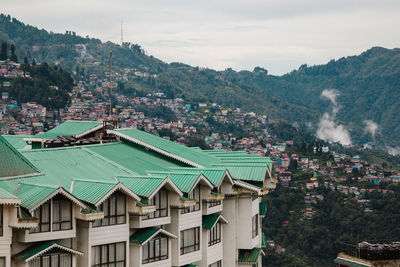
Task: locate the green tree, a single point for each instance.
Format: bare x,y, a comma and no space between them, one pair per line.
3,52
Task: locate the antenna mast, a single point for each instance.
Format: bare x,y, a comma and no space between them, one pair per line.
109,84
122,35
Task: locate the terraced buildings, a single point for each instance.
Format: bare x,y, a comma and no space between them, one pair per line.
140,200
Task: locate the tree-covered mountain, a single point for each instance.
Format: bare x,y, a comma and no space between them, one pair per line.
368,84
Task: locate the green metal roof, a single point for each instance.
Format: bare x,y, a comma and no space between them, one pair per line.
214,175
6,194
246,172
184,181
38,249
143,186
249,255
17,141
12,162
209,221
92,191
263,208
168,148
133,158
144,234
61,165
70,128
263,240
32,195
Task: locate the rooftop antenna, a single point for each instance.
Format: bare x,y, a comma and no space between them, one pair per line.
109,84
122,35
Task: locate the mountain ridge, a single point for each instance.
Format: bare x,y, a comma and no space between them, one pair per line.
368,84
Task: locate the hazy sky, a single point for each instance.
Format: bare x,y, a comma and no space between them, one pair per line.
278,35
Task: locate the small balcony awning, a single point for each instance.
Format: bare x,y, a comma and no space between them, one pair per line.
249,256
142,236
41,248
209,221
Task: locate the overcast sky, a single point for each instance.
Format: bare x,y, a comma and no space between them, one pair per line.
278,35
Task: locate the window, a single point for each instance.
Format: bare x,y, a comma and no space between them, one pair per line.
214,235
254,226
43,214
214,203
160,200
1,222
195,194
254,265
56,259
190,240
216,264
114,209
109,255
155,250
2,261
62,214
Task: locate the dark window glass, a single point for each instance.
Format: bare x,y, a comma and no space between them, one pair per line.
109,255
195,194
214,235
43,214
1,221
52,260
216,264
155,250
190,240
254,225
114,209
160,200
62,214
214,203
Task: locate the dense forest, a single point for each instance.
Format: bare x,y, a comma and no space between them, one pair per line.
338,218
368,84
43,84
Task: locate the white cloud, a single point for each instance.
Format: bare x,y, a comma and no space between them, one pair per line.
328,130
394,151
371,127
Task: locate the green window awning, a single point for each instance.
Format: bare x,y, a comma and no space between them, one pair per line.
142,236
41,248
263,240
209,221
249,255
263,208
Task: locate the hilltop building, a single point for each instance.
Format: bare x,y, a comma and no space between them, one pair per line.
138,201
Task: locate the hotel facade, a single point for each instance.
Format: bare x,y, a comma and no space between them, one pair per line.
131,199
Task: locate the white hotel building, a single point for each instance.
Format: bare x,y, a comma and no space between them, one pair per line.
139,201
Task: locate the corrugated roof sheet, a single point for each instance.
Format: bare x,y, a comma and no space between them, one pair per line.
143,186
136,159
17,141
178,152
12,162
210,220
32,195
92,191
246,172
249,255
144,234
215,176
184,181
69,128
38,249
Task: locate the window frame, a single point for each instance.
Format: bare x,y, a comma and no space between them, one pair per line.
214,203
107,263
195,245
1,220
50,256
214,234
254,226
60,222
158,213
155,257
41,224
107,220
193,195
216,264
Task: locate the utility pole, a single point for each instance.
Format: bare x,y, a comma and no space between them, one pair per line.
109,85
